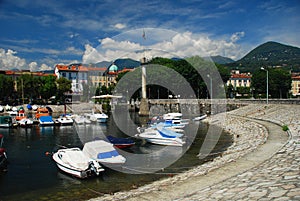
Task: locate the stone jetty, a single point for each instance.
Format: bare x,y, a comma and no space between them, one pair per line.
263,163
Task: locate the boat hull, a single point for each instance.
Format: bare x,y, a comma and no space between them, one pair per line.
72,169
164,142
77,173
3,162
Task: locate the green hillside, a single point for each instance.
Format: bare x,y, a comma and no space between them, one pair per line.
271,54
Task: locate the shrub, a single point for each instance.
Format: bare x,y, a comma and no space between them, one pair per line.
285,128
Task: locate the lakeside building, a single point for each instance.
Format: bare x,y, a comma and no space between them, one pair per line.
295,90
238,79
76,73
80,75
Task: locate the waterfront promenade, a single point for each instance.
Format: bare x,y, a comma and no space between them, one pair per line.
262,164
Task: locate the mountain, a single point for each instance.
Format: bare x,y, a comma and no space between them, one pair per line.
270,54
127,63
102,64
121,63
220,59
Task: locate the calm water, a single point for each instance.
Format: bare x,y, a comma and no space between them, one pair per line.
32,175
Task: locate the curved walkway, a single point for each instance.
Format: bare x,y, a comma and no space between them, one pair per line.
271,172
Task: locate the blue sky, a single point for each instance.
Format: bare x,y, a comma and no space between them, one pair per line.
38,34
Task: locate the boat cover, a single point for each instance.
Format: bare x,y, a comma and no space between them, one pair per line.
46,119
102,150
75,158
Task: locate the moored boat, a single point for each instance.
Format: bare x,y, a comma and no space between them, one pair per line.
46,121
5,121
200,117
3,156
73,161
104,152
156,136
42,111
25,122
120,142
101,117
65,120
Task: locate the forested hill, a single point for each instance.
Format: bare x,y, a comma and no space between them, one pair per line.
270,54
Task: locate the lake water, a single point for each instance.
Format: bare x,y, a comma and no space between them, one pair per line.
32,175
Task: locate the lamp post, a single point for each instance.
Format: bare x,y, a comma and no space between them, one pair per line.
211,92
262,68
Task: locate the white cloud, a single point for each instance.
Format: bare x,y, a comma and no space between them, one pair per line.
45,67
91,55
8,60
120,26
177,45
237,36
33,66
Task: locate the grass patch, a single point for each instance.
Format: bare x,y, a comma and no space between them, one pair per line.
285,128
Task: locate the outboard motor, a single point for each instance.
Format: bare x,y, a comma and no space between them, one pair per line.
96,167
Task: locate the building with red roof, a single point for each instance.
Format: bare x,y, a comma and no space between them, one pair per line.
238,79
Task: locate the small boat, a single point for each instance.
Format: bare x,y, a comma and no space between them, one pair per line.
12,113
7,107
98,117
3,156
1,109
41,111
29,107
34,107
80,120
101,117
46,121
6,122
104,152
73,161
25,122
156,136
120,142
200,117
65,120
172,115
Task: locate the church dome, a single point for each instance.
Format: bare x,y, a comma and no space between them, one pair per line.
113,68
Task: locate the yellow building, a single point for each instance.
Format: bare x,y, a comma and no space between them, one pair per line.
238,79
295,84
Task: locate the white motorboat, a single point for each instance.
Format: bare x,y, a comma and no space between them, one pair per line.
160,137
101,117
80,119
104,152
65,120
172,115
46,121
200,117
73,161
25,122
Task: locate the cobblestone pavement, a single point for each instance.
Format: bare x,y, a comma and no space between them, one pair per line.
270,172
275,179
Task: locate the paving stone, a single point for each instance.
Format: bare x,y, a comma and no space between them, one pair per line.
276,194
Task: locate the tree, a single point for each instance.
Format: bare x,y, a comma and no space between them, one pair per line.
63,86
279,82
29,87
6,87
48,88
